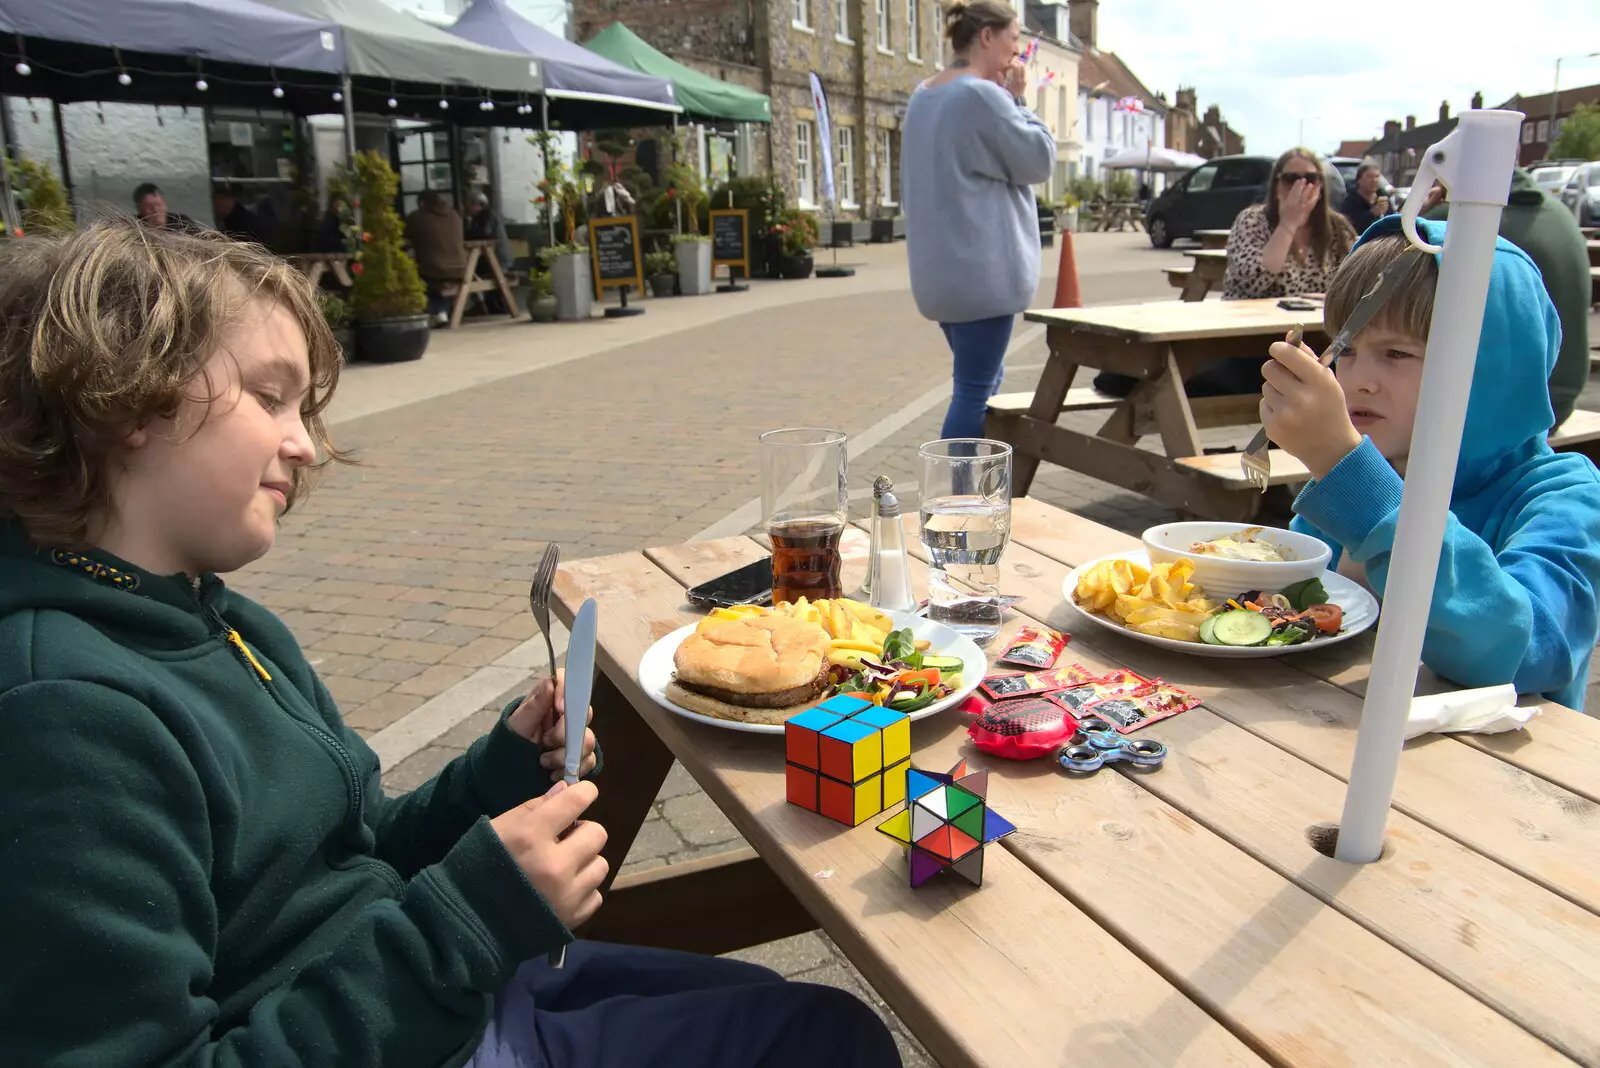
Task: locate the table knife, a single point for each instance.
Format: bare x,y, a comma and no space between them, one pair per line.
1399,269
579,685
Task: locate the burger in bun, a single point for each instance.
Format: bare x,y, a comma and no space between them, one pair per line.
757,669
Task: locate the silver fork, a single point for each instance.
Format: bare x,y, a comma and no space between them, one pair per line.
1254,463
544,581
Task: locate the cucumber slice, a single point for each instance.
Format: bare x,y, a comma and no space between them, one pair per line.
1241,627
1208,629
947,665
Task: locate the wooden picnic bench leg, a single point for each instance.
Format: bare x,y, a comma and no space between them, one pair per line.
636,764
504,287
341,271
1195,287
1048,397
464,293
1174,419
314,275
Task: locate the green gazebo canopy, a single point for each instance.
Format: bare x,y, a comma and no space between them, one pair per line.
701,96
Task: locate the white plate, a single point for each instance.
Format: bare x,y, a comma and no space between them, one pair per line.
1360,612
656,671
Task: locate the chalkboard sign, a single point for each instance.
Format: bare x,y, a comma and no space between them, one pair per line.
730,239
614,251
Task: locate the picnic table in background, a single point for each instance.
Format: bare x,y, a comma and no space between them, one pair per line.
315,264
470,282
1175,917
1118,215
1212,238
1160,344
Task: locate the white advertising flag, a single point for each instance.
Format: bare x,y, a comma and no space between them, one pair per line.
819,101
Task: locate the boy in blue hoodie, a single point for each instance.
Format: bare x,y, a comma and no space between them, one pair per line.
1515,599
200,864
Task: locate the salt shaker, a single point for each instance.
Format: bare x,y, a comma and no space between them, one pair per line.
889,571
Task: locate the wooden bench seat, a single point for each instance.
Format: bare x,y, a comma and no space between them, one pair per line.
1208,412
1078,400
1178,277
1580,433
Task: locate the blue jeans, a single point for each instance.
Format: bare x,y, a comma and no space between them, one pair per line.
624,1007
980,355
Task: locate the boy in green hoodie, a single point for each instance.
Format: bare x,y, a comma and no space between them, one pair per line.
201,867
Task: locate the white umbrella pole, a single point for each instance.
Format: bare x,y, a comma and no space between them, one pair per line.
1475,164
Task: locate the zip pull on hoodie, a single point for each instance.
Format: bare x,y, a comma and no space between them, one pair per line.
1515,598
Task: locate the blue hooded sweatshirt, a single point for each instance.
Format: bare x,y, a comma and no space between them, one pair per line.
1515,597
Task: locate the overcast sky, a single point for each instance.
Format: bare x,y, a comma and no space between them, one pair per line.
1271,64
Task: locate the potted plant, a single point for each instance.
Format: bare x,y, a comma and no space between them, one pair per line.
692,249
662,269
336,312
797,234
388,300
542,305
45,208
568,262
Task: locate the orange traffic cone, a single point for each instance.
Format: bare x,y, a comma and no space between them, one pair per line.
1067,295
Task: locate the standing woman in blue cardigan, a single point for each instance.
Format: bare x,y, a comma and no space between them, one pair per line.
972,151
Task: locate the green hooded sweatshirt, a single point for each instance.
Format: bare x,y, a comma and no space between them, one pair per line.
1542,227
199,866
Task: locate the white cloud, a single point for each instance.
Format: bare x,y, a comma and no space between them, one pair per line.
1338,71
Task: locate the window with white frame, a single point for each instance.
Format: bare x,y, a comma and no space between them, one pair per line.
913,27
1061,113
841,20
1088,119
886,187
883,25
844,166
804,174
1544,130
802,13
1527,133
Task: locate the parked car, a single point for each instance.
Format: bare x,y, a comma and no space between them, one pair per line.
1347,167
1553,176
1209,197
1581,194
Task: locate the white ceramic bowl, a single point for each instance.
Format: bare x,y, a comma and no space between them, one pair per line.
1221,578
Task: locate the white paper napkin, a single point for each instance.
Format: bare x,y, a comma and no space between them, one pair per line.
1490,710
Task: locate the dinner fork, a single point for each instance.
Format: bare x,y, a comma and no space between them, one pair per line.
1257,469
544,580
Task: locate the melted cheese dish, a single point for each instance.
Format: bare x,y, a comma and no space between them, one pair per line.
1241,546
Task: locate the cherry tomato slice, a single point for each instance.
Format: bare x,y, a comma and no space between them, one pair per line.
1329,618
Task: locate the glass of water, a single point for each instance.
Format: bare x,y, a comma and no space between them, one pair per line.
966,523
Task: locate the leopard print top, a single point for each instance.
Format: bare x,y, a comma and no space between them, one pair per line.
1246,276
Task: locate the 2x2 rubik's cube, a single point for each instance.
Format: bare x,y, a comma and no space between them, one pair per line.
847,759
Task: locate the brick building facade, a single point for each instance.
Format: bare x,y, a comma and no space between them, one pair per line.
869,54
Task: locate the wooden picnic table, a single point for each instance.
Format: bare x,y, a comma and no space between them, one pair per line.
1594,251
1210,268
1161,344
1175,917
1212,238
315,264
470,282
1120,214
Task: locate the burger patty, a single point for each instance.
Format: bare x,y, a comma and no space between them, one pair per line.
794,695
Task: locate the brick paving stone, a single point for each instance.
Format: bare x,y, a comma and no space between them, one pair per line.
378,713
385,670
698,820
472,728
434,680
418,769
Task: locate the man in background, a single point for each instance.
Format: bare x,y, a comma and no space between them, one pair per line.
151,208
233,218
438,243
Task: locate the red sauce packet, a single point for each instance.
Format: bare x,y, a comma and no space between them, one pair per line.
1140,708
1022,729
1007,685
1034,647
1119,683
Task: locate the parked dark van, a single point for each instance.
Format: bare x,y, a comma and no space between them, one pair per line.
1209,197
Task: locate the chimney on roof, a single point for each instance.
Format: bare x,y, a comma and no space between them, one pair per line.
1444,111
1477,101
1411,122
1186,99
1084,20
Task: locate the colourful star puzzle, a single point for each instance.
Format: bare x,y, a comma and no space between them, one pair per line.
946,823
847,759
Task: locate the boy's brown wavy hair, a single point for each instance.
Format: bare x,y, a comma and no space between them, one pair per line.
103,330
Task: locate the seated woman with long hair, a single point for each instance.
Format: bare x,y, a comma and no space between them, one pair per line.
1294,242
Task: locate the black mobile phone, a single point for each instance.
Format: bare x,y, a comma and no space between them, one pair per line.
751,584
1289,304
